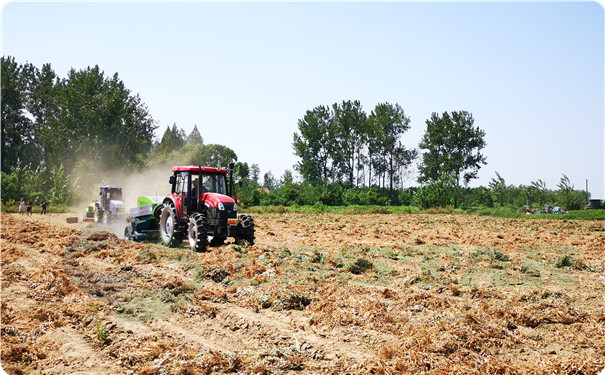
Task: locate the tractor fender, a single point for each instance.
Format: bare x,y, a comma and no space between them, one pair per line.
176,200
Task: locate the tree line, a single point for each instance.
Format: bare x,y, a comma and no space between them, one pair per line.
341,143
348,157
178,148
50,125
60,134
57,121
442,192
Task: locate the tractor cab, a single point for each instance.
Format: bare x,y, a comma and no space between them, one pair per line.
109,205
110,193
198,189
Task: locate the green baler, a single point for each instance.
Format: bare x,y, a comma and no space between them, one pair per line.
143,220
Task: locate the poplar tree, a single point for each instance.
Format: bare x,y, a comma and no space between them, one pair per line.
453,145
347,131
388,124
195,138
314,145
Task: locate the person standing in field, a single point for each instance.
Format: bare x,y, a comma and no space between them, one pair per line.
29,207
21,206
44,204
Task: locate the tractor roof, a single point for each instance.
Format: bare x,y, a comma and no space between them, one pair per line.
197,168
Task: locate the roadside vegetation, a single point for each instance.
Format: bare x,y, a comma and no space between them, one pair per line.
499,200
503,212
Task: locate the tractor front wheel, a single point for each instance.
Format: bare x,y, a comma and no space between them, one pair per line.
198,232
246,229
168,222
98,215
127,233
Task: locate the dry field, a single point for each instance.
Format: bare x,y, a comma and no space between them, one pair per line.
317,294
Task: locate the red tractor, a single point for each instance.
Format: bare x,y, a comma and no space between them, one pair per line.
200,206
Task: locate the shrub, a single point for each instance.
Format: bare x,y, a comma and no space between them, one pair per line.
565,261
360,266
101,332
438,193
571,199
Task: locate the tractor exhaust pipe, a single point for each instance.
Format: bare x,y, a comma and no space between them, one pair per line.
231,184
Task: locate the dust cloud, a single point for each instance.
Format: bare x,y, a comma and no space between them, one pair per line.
150,181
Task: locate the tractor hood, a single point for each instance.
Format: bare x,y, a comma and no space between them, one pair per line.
116,206
213,199
116,203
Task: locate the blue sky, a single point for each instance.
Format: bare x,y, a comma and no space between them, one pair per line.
532,74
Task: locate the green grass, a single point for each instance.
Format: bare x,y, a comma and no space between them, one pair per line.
502,212
320,208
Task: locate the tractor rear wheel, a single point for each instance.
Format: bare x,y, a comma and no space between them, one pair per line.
218,240
168,222
198,232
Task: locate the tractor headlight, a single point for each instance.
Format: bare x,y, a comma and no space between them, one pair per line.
234,207
221,206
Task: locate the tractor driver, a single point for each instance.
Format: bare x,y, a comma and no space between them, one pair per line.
195,184
194,188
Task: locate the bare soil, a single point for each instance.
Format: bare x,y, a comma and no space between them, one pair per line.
321,294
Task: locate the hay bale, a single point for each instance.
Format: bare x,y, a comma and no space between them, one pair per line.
71,220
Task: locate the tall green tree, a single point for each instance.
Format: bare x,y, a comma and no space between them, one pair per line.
537,192
452,144
314,145
347,131
172,140
99,120
373,142
254,173
388,124
499,189
568,197
43,105
287,178
18,138
217,156
242,172
195,138
164,147
269,181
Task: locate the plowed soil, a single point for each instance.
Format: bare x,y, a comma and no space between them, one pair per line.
321,294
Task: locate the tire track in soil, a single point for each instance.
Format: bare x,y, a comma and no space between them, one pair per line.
249,330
